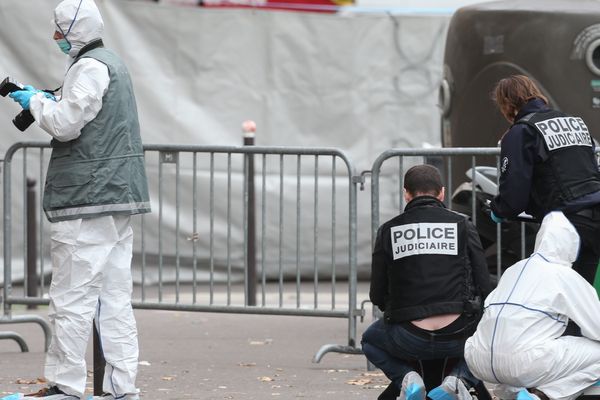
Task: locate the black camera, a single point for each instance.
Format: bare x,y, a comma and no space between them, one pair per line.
24,118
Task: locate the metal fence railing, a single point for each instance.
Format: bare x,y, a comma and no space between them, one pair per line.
246,229
457,166
279,241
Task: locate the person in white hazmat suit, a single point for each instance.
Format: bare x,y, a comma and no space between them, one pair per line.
518,344
95,181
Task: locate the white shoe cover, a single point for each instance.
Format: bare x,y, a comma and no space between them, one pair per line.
413,387
451,388
526,395
111,397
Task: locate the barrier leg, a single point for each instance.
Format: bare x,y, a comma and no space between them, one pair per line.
17,338
36,319
335,348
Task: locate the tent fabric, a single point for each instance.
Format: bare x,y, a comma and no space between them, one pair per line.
360,83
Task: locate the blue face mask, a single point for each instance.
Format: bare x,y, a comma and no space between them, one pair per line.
64,45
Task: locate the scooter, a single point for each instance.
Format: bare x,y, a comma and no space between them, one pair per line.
517,237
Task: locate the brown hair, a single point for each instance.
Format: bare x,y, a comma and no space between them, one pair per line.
512,93
423,179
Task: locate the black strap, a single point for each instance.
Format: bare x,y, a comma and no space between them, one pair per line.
94,44
52,91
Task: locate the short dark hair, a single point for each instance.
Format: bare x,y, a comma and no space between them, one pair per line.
423,179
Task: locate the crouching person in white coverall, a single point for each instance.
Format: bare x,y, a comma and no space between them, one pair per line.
96,180
518,344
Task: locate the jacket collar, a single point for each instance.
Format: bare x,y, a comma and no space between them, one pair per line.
425,200
532,106
94,44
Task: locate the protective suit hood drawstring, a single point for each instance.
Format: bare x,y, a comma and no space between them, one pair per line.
557,240
80,22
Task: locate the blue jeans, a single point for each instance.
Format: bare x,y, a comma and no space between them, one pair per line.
394,350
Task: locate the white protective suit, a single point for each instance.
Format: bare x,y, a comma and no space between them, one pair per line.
91,258
518,342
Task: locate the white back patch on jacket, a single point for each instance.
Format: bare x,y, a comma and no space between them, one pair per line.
563,132
424,238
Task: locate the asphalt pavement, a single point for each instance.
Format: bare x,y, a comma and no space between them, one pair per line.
206,356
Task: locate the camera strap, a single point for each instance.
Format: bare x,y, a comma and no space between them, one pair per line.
94,44
52,91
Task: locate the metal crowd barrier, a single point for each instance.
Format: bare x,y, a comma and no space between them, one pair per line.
217,240
454,163
503,244
246,229
387,201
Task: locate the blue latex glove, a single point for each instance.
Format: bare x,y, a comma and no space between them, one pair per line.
15,396
496,218
22,97
46,94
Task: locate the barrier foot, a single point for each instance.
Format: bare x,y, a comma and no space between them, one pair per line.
17,338
36,319
335,348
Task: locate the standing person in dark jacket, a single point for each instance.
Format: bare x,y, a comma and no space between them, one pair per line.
548,164
429,276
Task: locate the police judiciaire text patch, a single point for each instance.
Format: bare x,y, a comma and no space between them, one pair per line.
424,238
563,132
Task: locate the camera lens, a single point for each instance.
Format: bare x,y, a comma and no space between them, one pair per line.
23,120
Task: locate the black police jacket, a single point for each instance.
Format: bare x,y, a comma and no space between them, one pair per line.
547,163
427,261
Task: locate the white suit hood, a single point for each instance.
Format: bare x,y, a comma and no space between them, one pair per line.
557,240
80,21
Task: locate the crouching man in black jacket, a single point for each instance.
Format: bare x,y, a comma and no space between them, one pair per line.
429,277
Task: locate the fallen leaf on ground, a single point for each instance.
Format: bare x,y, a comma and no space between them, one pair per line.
168,378
36,381
265,379
372,374
359,381
260,342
